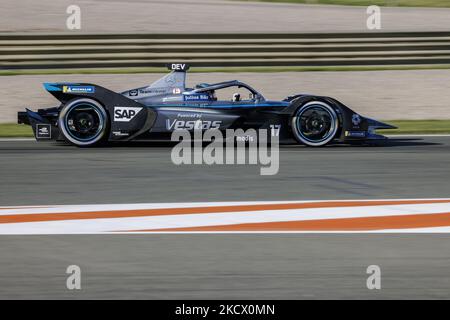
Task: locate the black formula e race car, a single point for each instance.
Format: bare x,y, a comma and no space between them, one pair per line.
89,114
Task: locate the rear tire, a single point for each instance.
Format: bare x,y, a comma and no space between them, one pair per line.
84,122
315,124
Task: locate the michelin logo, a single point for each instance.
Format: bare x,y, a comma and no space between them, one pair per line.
78,89
125,114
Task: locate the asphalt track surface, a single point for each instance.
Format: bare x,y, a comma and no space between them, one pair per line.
219,266
50,173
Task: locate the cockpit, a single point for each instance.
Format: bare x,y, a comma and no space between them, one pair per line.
234,91
171,89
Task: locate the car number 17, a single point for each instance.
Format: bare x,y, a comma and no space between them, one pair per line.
275,130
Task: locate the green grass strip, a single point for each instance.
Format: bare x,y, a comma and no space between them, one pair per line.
12,130
418,127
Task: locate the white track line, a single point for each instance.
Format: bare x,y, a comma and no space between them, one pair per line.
144,206
136,206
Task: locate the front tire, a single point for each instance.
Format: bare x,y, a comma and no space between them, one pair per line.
84,122
315,124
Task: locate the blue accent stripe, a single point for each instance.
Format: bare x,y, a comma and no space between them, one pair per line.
52,87
224,106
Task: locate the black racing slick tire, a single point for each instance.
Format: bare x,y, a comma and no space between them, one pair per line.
315,124
84,122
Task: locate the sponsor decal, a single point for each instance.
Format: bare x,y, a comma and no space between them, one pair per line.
125,114
78,89
189,115
356,119
43,131
176,91
120,134
152,91
355,134
133,93
196,97
192,124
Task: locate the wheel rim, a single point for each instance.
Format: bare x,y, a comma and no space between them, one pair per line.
84,122
316,124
